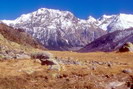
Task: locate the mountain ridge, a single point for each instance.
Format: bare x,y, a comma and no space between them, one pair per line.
110,42
57,30
61,30
99,22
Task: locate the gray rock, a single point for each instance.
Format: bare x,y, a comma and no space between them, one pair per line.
67,61
115,85
13,54
46,58
41,55
22,56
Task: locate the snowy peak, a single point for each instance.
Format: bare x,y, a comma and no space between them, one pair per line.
53,13
107,16
112,23
45,11
8,22
66,19
91,19
104,21
121,22
41,14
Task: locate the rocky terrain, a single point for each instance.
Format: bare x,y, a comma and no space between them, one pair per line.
16,44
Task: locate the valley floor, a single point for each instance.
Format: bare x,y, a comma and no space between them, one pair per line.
96,70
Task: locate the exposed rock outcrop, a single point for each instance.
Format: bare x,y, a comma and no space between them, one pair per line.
6,54
127,47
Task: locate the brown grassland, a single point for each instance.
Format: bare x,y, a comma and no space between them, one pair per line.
95,72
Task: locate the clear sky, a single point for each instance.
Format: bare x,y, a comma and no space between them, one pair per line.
11,9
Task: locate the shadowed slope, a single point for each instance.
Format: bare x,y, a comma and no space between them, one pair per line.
110,42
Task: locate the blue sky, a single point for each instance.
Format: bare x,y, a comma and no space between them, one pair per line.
11,9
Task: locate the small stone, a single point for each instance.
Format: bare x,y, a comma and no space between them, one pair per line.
107,76
109,65
54,75
29,71
128,71
93,68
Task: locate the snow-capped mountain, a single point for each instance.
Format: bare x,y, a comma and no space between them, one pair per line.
59,30
115,22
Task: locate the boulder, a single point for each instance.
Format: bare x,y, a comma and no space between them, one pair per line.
46,58
41,55
127,47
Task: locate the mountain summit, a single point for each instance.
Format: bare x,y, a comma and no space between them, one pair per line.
115,22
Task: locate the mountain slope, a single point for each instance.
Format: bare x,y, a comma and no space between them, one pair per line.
58,30
18,36
110,42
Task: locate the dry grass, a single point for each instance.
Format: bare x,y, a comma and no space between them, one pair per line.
124,58
28,74
42,78
99,56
